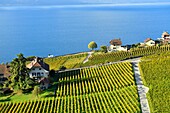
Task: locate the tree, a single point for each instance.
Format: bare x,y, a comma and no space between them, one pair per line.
36,91
52,73
19,74
52,76
92,45
103,48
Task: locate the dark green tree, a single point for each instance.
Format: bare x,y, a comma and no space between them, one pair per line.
92,45
103,48
52,76
19,74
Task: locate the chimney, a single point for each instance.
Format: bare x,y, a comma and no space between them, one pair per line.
36,59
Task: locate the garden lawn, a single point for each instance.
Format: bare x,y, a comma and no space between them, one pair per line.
21,97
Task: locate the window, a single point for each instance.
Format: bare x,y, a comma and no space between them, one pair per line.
38,74
39,68
33,69
1,74
33,74
42,74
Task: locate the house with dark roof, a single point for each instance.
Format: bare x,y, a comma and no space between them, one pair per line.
4,73
38,69
116,45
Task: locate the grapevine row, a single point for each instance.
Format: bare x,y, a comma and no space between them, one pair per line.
118,101
99,79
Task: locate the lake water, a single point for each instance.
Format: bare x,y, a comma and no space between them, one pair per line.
62,30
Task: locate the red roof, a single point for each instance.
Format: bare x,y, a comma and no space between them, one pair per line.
38,62
116,42
5,70
165,34
148,39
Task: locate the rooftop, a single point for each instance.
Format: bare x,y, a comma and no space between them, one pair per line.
5,70
116,42
38,62
165,34
147,39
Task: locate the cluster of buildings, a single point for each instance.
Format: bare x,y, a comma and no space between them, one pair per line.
116,44
165,39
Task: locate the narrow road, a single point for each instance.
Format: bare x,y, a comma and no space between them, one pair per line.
87,58
142,90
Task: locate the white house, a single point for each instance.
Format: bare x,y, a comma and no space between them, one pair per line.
38,69
165,38
165,35
115,45
149,42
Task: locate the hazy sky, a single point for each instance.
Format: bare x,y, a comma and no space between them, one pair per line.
59,2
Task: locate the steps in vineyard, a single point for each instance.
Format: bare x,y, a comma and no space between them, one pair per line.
142,90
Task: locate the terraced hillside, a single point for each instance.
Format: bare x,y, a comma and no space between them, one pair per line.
109,88
134,52
156,76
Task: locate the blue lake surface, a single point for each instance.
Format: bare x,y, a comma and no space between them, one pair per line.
62,30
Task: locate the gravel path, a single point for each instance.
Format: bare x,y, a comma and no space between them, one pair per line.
89,55
142,90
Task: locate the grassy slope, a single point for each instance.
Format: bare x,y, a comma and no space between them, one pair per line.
69,61
156,75
18,97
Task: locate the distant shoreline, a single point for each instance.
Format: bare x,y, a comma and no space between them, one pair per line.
12,7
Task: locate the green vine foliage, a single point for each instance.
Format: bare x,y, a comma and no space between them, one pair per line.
156,74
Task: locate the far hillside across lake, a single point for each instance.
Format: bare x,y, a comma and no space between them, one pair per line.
58,31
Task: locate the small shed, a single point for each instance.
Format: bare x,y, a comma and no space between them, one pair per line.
44,83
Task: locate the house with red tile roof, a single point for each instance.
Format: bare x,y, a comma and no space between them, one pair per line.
149,42
165,38
4,72
38,69
116,45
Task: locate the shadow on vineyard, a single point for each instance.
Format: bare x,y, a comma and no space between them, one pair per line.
106,88
6,100
96,87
